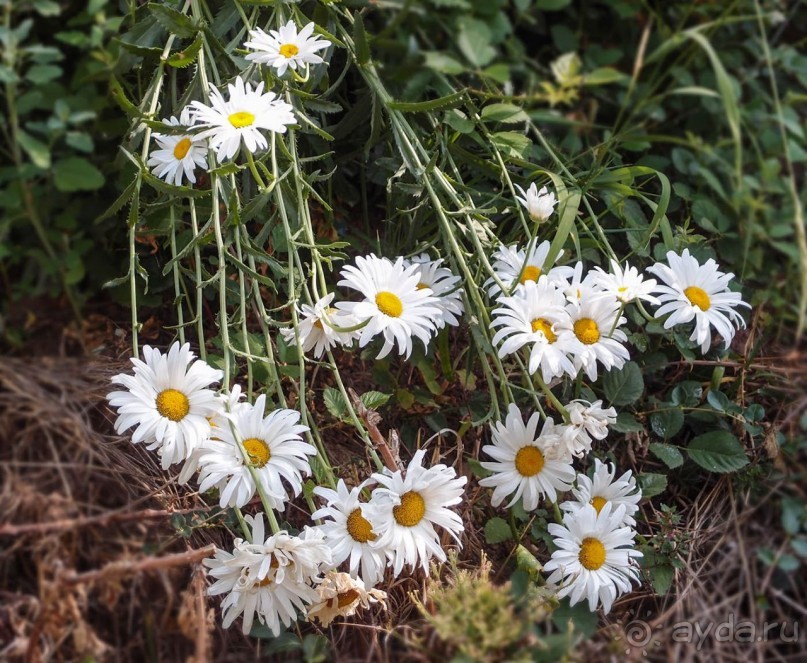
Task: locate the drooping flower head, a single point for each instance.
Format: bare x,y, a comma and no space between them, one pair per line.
410,505
626,284
179,154
341,595
594,559
269,445
539,204
317,327
445,286
587,422
692,291
286,48
604,488
168,401
242,117
524,468
393,305
514,267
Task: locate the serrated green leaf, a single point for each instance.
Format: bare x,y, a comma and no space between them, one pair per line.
334,402
443,63
667,422
174,21
449,101
497,531
623,386
511,143
360,39
718,451
373,400
667,454
187,55
473,40
652,484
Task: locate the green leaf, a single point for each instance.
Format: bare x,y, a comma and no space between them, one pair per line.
623,386
627,423
360,39
77,174
497,531
43,73
38,152
173,21
718,451
552,5
667,422
652,484
187,55
473,40
373,400
513,144
449,101
443,63
667,454
47,7
603,76
506,113
334,402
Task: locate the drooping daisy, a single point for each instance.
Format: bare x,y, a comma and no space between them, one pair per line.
271,578
699,292
625,284
592,333
393,305
577,285
539,204
531,318
286,48
168,401
587,422
272,447
340,595
316,328
514,267
605,489
523,466
410,506
445,286
351,530
179,154
242,116
594,559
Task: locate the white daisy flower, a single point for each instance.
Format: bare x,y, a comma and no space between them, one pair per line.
577,285
604,489
243,116
445,286
393,304
514,267
274,448
228,403
587,422
531,318
588,332
340,595
351,530
539,204
270,578
523,466
167,399
626,284
316,328
699,292
179,154
286,48
594,556
410,506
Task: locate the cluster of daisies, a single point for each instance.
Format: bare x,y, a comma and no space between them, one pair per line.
239,450
242,117
595,550
570,321
402,300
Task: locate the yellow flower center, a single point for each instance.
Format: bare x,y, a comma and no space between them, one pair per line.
173,404
592,554
587,331
241,119
622,289
411,509
598,503
529,461
698,297
359,527
289,50
422,286
389,304
530,273
181,148
268,580
543,325
257,451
